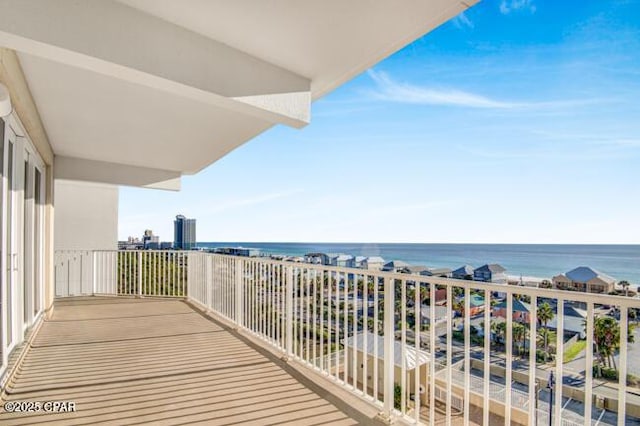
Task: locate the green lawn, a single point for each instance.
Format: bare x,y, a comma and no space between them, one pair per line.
572,351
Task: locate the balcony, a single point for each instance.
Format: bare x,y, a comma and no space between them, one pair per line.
178,337
127,361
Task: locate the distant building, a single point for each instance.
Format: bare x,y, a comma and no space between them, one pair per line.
437,272
373,263
341,260
316,258
412,269
585,279
238,251
358,261
573,322
491,273
132,243
150,241
395,266
521,311
166,245
184,233
464,272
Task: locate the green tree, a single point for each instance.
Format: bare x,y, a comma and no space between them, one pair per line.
545,314
606,337
519,334
499,330
625,285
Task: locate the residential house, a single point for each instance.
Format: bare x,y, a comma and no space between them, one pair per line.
342,260
437,272
521,311
413,269
490,273
561,282
464,272
358,261
395,266
573,320
373,263
585,279
316,258
369,346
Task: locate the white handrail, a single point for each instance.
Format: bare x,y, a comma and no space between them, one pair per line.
357,327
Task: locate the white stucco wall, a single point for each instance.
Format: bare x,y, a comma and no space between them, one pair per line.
86,216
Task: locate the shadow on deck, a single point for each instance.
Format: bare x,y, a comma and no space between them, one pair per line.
133,361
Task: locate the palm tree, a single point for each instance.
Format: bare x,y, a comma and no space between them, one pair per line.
625,285
545,314
606,336
499,330
519,334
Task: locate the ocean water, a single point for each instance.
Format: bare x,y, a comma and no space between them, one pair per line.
622,262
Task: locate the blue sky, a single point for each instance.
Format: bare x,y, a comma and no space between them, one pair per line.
516,122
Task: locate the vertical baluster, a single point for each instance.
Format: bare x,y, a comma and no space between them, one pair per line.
432,346
557,412
509,359
329,323
365,336
449,350
322,329
467,351
487,356
417,322
403,340
354,322
376,358
533,389
338,323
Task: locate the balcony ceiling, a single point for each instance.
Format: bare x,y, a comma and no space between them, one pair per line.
170,87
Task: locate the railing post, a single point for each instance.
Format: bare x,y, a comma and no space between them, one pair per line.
140,273
239,293
389,340
288,300
95,272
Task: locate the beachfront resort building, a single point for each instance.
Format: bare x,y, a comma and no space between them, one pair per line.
585,279
100,94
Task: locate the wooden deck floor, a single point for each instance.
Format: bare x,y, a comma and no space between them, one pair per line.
134,361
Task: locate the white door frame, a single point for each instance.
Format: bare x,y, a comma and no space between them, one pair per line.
15,259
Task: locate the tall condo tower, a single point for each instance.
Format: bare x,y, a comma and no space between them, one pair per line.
184,233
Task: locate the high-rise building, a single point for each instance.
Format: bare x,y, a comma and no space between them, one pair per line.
150,241
184,233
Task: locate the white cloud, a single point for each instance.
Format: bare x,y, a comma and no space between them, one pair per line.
251,201
394,91
508,6
462,21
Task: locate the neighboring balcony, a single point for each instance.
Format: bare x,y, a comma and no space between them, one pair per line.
340,345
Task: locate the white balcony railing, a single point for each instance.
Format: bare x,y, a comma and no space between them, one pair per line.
334,320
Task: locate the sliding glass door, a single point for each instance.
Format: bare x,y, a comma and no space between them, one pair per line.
21,195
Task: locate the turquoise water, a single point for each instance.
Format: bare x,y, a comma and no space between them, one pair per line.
541,260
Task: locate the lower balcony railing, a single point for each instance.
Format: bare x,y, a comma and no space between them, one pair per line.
413,345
